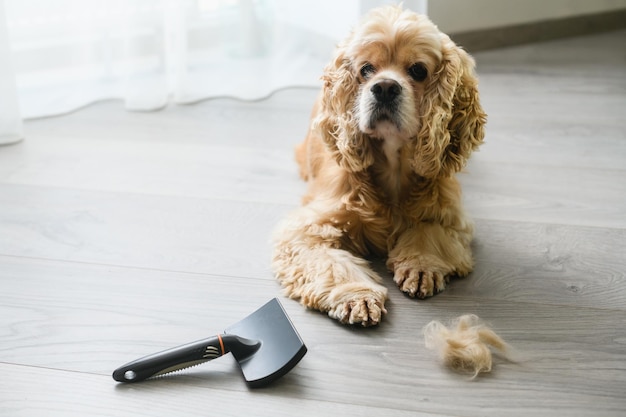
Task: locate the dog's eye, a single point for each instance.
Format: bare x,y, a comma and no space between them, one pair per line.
367,70
418,72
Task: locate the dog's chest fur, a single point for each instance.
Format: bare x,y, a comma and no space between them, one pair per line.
390,168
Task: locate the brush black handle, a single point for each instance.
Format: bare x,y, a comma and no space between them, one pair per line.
173,359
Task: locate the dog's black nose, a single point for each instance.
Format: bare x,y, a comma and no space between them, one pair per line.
386,90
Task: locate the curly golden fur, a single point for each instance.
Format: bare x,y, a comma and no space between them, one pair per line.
398,116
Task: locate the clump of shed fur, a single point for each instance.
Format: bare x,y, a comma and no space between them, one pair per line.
465,345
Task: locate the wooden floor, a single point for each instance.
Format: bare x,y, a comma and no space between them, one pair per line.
122,234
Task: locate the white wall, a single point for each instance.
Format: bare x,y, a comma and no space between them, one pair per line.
454,16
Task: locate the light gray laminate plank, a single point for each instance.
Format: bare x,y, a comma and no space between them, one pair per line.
170,233
576,136
545,263
583,55
38,391
532,193
555,141
557,103
206,170
85,317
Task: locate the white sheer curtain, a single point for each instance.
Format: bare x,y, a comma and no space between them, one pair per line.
56,56
10,120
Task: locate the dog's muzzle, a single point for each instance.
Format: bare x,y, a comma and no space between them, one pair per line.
386,94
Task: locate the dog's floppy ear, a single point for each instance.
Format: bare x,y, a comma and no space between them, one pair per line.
336,120
452,120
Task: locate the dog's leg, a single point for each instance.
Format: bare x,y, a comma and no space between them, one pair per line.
312,267
426,255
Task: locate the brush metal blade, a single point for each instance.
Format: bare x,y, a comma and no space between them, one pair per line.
281,346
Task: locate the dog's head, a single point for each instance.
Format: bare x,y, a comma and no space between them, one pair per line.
397,77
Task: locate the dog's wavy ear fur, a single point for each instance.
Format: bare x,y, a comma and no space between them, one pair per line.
336,121
452,120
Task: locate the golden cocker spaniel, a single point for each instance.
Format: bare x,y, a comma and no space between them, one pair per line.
398,116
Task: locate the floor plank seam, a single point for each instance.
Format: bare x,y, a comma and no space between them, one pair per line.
485,300
135,267
546,224
293,205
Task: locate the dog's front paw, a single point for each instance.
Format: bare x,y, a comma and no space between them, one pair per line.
363,306
418,281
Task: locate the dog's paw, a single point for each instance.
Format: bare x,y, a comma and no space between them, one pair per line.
420,282
364,307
